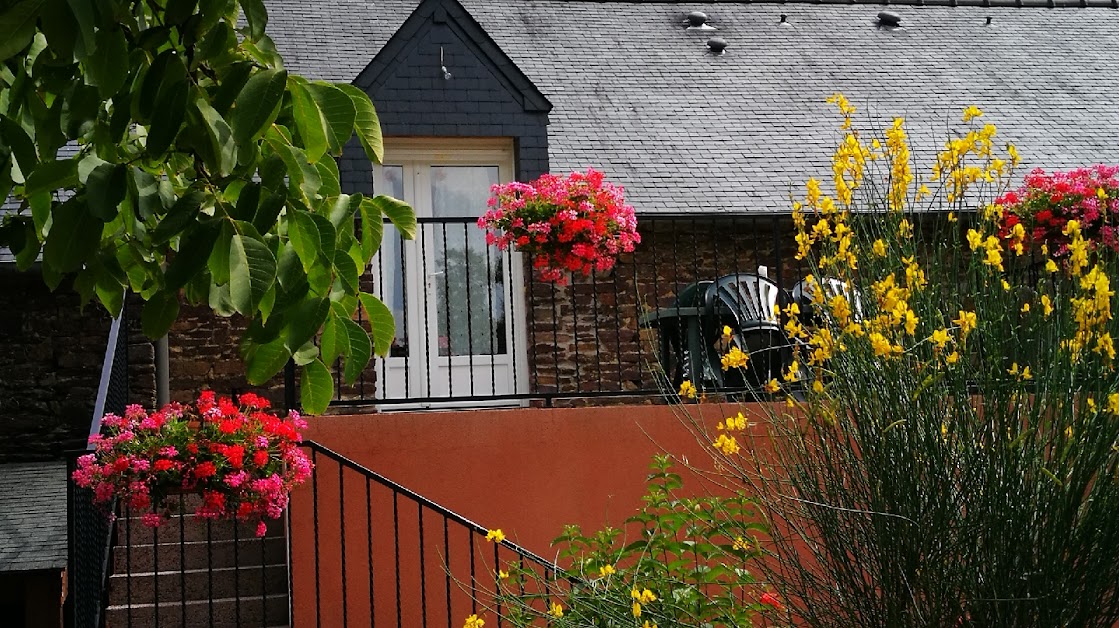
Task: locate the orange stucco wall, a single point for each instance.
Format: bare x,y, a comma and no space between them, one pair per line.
528,471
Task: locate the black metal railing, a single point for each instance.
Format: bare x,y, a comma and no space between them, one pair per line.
89,529
368,551
477,325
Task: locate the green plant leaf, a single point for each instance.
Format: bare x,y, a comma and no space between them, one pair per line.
338,111
182,214
401,214
23,149
220,136
263,362
252,271
316,387
159,313
346,272
359,353
372,229
106,187
306,354
304,321
83,14
305,237
108,69
380,322
74,236
194,251
335,340
257,105
366,123
52,175
170,108
17,26
256,16
308,120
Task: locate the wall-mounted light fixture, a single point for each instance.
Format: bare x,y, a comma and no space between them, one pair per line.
443,66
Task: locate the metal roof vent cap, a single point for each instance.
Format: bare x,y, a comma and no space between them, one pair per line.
784,20
889,19
717,45
697,21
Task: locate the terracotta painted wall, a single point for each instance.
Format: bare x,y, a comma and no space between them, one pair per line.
526,471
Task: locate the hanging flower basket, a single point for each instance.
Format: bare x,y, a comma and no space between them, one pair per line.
242,460
1037,215
574,224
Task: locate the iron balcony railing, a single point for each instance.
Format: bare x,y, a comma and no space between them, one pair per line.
475,325
367,551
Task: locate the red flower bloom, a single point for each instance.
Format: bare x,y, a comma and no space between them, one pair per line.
205,470
163,465
770,599
260,457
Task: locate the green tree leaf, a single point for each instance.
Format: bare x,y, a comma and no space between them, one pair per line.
220,136
257,105
380,322
17,26
372,229
338,111
74,236
316,387
359,353
159,313
304,320
182,213
335,340
169,106
308,120
366,123
263,362
401,214
106,187
252,271
108,69
256,16
52,175
22,148
191,258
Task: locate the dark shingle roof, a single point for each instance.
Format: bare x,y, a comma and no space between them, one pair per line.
32,516
638,96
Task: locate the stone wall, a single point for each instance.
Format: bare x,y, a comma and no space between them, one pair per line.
587,337
50,366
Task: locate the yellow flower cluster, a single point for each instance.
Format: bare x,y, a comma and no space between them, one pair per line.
641,597
735,358
474,622
687,389
556,610
901,172
1092,311
496,536
952,163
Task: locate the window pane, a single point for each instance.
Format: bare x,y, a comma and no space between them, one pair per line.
470,285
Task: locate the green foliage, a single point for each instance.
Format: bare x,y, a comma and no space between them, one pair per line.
204,171
689,566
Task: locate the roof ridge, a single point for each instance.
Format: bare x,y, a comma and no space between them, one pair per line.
1011,4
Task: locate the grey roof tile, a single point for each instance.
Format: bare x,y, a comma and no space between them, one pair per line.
32,516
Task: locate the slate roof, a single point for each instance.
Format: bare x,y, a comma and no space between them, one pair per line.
32,516
637,95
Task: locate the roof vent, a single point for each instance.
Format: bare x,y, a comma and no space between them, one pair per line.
717,45
988,21
697,21
785,20
889,19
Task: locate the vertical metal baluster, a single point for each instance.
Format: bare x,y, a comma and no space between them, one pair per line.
496,567
511,319
662,346
236,572
447,570
555,338
493,318
209,567
469,310
182,562
618,328
128,560
447,312
426,341
396,551
404,303
597,342
315,516
155,574
423,573
263,582
534,360
369,545
473,576
288,566
342,537
575,334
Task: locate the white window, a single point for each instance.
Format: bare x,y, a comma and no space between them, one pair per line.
458,303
